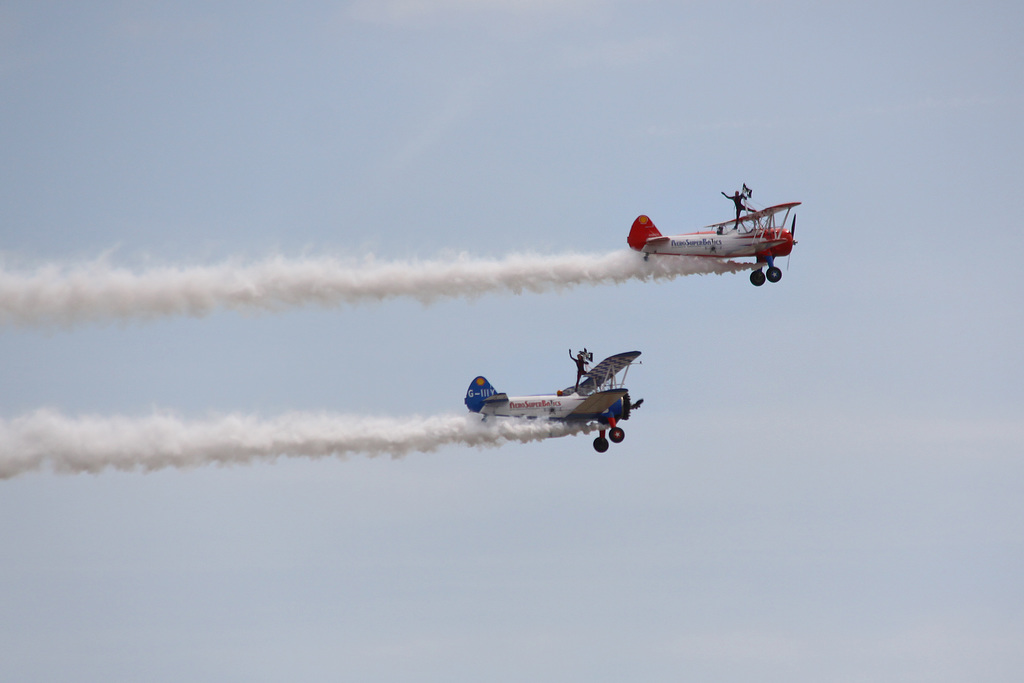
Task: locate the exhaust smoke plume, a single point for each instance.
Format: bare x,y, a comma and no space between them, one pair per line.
70,294
46,439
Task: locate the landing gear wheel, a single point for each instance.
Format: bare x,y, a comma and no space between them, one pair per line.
774,274
600,444
757,278
616,434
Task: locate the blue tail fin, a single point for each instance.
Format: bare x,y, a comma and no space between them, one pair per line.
479,389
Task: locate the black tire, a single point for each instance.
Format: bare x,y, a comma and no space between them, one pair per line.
616,434
600,444
774,274
757,278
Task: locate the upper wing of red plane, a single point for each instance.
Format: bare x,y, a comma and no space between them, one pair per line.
756,218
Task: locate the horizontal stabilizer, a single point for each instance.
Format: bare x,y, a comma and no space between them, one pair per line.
659,241
496,398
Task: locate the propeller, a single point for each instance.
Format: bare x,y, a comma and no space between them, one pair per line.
792,231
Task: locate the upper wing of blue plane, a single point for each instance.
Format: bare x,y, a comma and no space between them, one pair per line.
604,371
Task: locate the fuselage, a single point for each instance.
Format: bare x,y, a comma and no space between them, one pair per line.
777,242
547,406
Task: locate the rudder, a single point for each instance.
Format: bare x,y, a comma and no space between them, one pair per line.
643,229
479,390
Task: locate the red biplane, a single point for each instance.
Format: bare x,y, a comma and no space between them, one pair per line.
761,234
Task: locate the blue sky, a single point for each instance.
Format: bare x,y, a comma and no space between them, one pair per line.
823,482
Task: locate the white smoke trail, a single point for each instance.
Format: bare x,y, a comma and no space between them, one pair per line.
69,294
93,444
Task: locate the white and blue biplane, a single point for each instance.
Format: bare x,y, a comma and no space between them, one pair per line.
601,398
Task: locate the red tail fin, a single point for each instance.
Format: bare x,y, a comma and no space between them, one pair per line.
643,229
